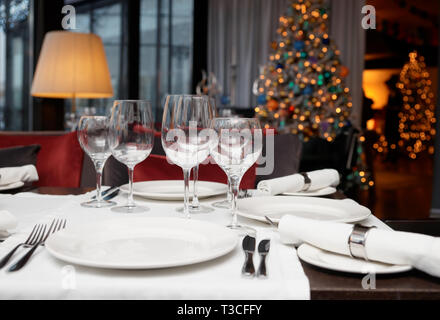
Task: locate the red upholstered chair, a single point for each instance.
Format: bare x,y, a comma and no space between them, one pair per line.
60,159
157,168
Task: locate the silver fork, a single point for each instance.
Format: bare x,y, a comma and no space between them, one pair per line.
57,225
35,235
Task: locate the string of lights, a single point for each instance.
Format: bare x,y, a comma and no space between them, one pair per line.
417,117
301,90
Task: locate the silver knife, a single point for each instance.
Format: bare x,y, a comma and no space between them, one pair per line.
112,195
106,192
263,250
249,244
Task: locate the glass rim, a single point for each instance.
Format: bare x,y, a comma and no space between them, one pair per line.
187,96
236,119
93,117
132,101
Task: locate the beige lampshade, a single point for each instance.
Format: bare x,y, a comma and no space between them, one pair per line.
72,65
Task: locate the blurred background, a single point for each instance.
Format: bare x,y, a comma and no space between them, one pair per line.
224,48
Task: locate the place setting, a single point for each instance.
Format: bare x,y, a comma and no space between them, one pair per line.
256,238
229,151
178,238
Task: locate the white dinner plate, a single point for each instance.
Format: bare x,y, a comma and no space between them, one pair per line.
173,190
12,186
337,262
142,243
317,193
345,211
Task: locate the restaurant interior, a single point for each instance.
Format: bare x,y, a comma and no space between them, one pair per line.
344,95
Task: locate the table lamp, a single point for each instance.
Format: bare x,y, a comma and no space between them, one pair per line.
72,65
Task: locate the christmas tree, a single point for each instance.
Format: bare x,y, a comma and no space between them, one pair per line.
361,175
417,119
301,90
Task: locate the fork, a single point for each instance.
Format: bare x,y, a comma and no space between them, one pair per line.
57,225
35,235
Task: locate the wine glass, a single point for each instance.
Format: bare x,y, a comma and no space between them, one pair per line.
195,206
184,135
237,149
93,135
131,141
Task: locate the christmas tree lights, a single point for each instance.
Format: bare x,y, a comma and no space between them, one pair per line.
417,119
417,116
301,89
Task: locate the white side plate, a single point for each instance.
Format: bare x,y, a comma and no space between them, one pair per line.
345,211
173,190
142,243
337,262
318,193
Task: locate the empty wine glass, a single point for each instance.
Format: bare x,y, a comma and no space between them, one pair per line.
184,138
195,206
236,150
131,141
93,135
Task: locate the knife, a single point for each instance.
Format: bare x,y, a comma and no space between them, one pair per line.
112,195
263,250
249,250
106,192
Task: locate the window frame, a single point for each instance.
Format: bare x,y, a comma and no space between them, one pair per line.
129,75
23,31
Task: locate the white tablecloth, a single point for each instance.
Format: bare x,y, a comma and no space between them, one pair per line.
48,278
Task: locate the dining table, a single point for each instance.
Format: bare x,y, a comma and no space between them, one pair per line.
332,285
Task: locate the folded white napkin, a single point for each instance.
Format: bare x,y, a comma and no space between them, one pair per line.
19,174
391,247
295,183
7,222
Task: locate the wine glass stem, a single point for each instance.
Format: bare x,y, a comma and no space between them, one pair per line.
186,176
195,202
99,168
235,186
229,191
130,203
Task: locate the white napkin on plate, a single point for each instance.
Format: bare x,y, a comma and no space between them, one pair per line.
7,222
295,183
19,174
391,247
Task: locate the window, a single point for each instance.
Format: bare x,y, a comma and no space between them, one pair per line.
14,65
165,53
166,49
106,20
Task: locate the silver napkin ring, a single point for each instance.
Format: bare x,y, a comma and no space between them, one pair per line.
357,241
307,181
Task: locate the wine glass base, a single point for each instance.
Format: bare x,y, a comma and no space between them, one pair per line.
197,210
222,205
243,231
130,209
95,204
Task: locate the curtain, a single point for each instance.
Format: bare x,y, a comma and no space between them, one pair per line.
240,33
346,30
